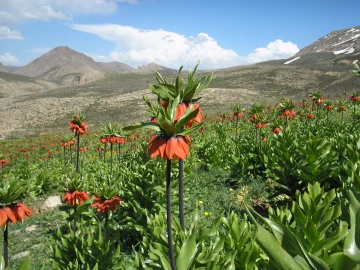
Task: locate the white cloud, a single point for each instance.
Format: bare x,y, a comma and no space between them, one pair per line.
138,47
277,49
8,59
6,33
17,11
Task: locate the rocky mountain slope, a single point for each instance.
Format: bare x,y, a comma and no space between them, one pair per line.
345,41
2,69
11,68
337,49
62,64
151,67
31,105
69,67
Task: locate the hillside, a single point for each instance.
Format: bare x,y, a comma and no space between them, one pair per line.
69,67
11,68
118,97
2,69
62,65
335,51
33,105
150,68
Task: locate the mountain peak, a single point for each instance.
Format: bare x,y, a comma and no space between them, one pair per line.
345,41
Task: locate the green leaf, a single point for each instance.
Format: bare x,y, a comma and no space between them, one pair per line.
149,125
352,240
270,245
187,253
25,264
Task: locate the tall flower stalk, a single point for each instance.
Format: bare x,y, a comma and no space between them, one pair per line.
237,109
3,162
74,195
11,209
177,114
112,135
341,107
355,99
106,200
78,127
187,91
286,112
317,98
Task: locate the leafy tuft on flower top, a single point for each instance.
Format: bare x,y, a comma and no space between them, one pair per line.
78,124
175,113
74,194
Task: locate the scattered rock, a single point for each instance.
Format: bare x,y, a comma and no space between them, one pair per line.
36,246
50,203
20,255
31,228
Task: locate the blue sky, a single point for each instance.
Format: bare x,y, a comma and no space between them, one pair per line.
172,33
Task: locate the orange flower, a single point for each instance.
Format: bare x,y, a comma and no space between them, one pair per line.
103,140
104,205
288,113
174,147
75,197
329,107
276,130
342,108
238,114
71,142
354,98
261,125
309,116
318,101
4,162
14,212
181,109
79,129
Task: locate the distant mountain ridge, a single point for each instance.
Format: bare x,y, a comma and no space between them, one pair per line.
67,66
345,41
11,68
2,69
114,92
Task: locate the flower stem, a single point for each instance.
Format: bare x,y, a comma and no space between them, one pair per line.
64,157
6,246
119,153
237,123
181,194
75,216
111,157
106,226
168,212
78,153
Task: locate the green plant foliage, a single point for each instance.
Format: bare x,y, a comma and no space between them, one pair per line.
315,220
195,248
238,236
86,248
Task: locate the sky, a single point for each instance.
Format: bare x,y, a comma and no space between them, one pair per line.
171,33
